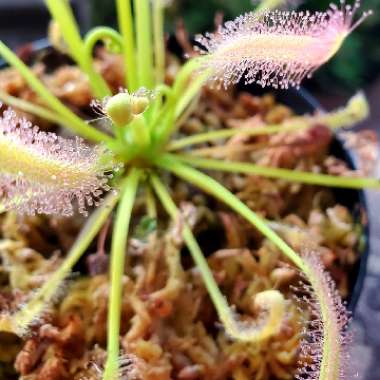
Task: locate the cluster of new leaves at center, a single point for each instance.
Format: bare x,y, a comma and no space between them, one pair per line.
44,173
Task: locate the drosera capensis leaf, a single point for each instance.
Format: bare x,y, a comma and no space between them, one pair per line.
326,334
31,312
277,48
44,173
118,253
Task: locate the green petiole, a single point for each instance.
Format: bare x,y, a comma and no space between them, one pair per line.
125,20
45,295
144,43
62,13
151,207
76,124
118,252
225,133
41,112
181,85
159,40
190,93
284,174
158,111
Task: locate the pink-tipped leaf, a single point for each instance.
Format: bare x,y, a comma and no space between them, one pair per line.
277,48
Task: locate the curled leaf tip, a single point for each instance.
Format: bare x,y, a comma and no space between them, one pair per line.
34,311
277,48
44,173
355,111
271,304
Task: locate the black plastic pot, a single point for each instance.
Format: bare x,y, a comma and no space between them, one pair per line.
301,102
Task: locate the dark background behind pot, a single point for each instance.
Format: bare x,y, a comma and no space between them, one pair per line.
22,21
357,65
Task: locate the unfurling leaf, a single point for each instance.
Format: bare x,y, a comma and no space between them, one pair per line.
43,173
277,48
273,302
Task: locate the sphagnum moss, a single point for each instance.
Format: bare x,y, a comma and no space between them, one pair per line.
274,48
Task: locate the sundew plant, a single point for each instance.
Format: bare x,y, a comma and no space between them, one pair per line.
43,173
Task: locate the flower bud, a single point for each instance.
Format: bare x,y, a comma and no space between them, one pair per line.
119,109
139,104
